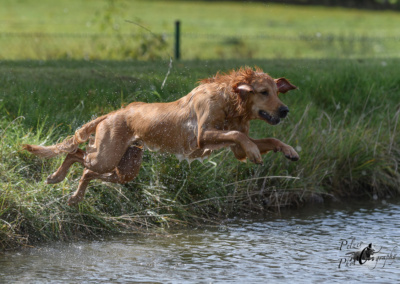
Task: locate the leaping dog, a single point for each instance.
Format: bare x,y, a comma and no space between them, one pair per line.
213,115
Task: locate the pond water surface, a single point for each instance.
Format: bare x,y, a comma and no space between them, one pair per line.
309,245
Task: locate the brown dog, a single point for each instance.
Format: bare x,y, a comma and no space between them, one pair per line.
214,115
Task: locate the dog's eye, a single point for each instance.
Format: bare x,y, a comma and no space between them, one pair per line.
265,93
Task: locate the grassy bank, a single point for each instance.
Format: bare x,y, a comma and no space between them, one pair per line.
343,121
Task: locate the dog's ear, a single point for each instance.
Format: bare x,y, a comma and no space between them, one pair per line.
243,89
284,85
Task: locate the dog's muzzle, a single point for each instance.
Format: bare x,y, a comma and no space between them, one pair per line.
274,119
269,118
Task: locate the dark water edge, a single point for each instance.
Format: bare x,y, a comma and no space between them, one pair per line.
311,244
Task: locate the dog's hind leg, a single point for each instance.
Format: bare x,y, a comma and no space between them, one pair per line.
87,176
127,169
129,166
62,171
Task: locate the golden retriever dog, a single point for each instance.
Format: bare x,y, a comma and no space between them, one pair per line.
213,115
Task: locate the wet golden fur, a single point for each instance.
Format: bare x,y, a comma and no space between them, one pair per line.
213,115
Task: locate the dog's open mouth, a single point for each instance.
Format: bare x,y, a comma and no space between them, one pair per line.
269,118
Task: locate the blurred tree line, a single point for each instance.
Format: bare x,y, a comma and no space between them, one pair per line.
359,4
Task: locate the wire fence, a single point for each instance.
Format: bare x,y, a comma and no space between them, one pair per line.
145,46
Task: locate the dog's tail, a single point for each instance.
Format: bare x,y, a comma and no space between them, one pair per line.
69,145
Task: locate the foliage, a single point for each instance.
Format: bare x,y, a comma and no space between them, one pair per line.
142,45
360,4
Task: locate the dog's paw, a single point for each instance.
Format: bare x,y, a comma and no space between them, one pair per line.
53,178
74,200
257,162
254,155
290,153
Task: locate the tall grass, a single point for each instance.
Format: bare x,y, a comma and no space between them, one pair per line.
344,121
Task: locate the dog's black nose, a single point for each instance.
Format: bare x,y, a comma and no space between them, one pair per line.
283,111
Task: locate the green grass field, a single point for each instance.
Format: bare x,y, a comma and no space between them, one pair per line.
210,30
198,16
343,119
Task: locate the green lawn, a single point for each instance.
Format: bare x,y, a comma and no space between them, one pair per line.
209,30
71,16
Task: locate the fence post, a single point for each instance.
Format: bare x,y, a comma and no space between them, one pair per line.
177,40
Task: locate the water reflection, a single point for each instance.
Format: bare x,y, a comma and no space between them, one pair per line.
301,246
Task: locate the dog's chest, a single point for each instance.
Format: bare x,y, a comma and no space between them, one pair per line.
190,128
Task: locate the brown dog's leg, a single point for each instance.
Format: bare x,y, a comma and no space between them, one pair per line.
266,145
129,166
77,197
246,147
127,169
62,171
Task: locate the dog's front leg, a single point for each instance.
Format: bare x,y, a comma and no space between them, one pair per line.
266,145
272,144
241,141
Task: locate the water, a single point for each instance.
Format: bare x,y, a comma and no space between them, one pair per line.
301,246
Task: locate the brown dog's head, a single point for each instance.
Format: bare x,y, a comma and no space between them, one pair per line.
258,95
253,93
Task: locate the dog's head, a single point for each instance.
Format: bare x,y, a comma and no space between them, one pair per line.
258,95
